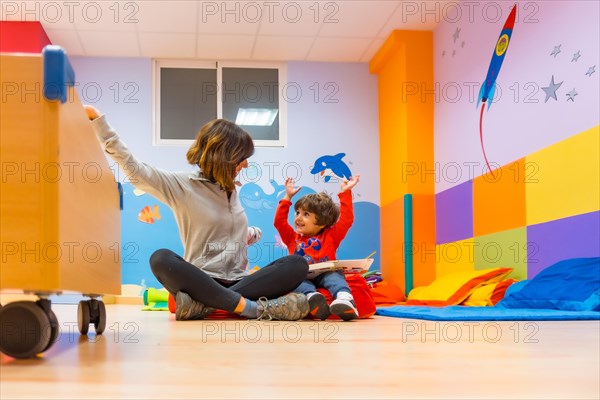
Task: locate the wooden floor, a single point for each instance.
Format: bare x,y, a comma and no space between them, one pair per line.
150,355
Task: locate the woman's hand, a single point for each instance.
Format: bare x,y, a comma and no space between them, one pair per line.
92,112
290,191
349,184
254,234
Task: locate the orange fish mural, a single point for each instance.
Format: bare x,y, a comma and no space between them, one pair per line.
149,215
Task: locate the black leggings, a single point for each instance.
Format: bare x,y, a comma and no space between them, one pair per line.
276,279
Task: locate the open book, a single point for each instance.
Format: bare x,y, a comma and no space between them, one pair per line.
359,266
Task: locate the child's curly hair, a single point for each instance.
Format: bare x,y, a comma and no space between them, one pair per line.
322,205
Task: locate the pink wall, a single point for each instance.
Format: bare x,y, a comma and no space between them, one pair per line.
521,121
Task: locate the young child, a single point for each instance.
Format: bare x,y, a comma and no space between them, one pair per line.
318,234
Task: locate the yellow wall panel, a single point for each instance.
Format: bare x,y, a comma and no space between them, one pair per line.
564,179
455,256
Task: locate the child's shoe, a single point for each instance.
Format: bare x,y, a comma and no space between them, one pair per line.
344,307
318,306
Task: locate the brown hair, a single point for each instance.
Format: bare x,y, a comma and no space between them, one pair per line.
219,148
321,204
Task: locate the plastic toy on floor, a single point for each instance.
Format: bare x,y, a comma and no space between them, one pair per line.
156,300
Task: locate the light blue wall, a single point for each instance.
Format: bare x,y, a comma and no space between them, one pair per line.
332,108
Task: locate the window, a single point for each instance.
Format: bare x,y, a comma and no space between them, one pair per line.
187,94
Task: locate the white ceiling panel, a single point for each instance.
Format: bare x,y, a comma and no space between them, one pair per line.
301,19
282,48
107,16
418,16
362,19
167,45
68,40
224,47
230,18
167,16
311,30
347,49
110,44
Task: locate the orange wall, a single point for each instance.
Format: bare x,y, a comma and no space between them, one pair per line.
404,65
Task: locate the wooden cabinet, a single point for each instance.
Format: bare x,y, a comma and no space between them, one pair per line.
59,201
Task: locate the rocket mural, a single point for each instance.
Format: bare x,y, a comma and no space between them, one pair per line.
488,88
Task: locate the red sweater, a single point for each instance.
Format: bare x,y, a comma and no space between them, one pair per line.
323,246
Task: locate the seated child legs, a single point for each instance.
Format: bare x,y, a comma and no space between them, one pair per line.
343,304
317,303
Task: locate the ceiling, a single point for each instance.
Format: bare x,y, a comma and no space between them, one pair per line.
330,31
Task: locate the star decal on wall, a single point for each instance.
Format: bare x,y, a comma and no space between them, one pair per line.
551,89
591,70
556,50
571,95
455,46
456,34
576,56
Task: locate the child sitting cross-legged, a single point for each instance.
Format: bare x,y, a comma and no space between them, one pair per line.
320,227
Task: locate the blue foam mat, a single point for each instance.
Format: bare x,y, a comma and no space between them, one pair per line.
463,313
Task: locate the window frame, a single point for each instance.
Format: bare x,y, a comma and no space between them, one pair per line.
157,64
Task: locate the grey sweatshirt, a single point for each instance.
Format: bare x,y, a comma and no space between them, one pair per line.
213,229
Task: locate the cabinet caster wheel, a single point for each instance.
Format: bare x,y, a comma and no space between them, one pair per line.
100,320
26,329
83,317
54,329
91,312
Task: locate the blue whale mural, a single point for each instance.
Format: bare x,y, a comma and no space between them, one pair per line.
254,198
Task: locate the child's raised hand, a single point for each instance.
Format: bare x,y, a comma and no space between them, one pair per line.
290,191
348,184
